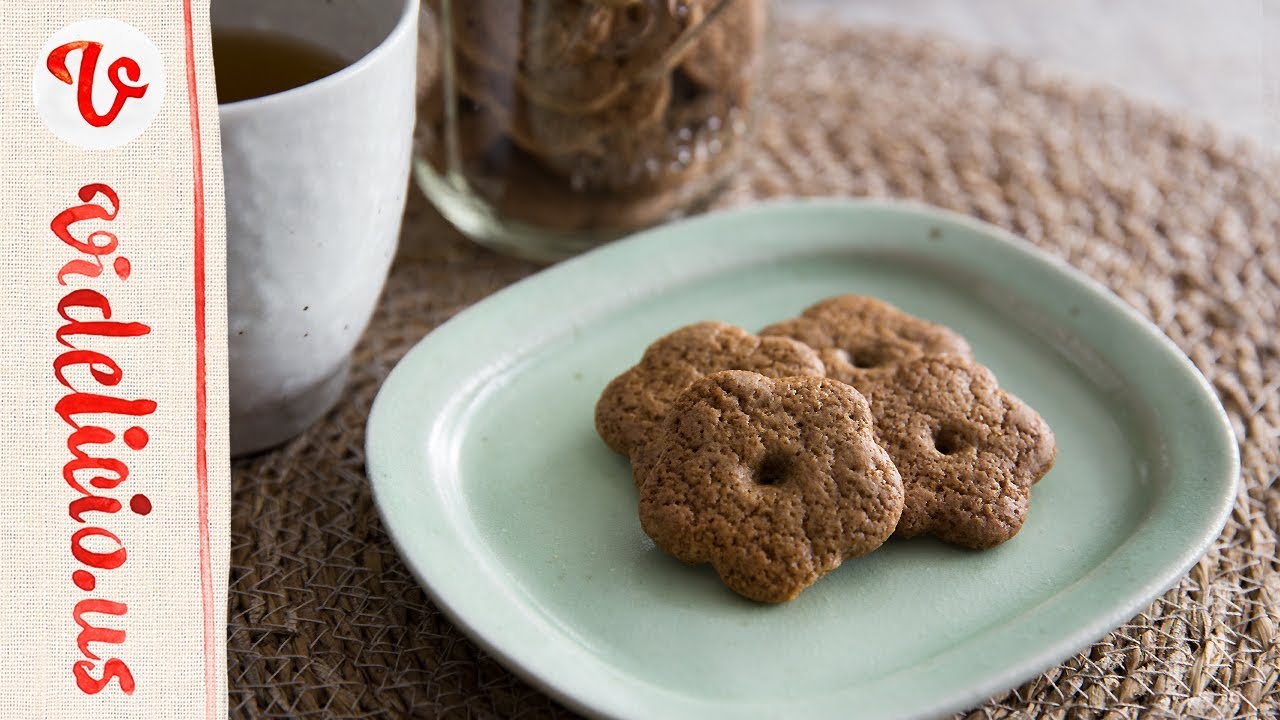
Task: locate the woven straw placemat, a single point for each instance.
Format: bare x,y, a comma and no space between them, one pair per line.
325,621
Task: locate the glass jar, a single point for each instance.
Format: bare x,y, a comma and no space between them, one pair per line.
549,126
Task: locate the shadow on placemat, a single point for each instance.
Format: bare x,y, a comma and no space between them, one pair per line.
325,621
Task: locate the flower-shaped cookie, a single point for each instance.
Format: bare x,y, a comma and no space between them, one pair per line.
861,339
772,481
635,403
968,451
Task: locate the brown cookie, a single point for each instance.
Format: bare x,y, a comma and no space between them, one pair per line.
695,137
634,45
634,404
727,44
773,481
861,339
516,35
543,130
967,450
524,190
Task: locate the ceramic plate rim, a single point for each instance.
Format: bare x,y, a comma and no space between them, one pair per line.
598,689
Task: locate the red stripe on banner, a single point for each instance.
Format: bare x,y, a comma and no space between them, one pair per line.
202,400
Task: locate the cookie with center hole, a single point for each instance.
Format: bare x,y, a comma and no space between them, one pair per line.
773,481
861,338
967,450
634,404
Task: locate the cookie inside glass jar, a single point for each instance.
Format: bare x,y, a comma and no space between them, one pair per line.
548,126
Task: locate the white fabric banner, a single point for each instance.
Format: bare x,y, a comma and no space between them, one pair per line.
114,515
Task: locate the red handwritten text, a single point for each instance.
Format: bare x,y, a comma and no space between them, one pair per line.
116,74
93,471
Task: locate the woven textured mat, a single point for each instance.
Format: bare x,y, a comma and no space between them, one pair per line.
325,621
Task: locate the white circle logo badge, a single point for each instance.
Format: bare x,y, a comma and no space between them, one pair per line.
98,83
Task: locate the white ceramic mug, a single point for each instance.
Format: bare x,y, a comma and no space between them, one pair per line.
315,184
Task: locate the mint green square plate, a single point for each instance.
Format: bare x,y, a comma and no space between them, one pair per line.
522,525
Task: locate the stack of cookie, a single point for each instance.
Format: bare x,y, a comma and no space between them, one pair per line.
627,107
775,457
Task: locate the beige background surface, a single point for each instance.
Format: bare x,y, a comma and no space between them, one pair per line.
1216,60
